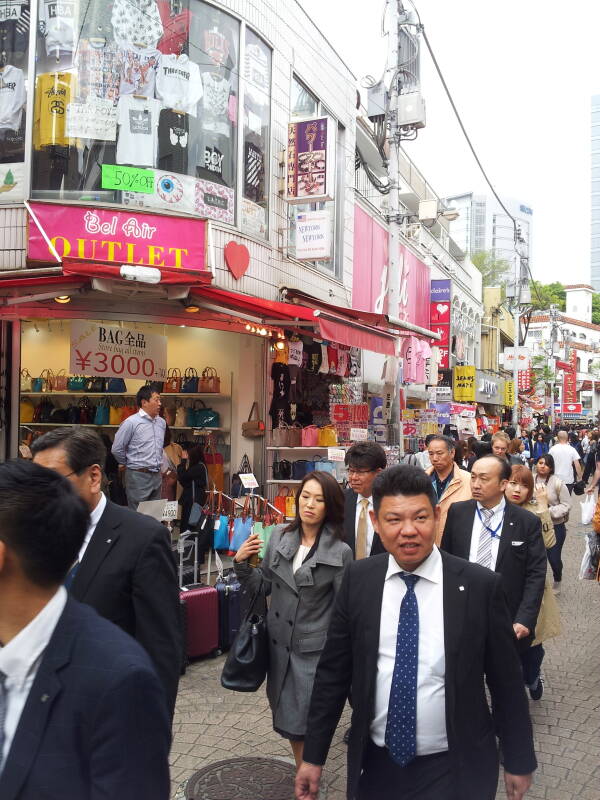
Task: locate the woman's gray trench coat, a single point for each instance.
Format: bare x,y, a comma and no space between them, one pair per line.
299,612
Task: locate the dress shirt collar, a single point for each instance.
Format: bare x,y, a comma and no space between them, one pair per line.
98,511
360,498
496,509
431,569
22,653
142,413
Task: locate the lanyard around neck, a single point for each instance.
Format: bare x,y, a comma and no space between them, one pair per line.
492,531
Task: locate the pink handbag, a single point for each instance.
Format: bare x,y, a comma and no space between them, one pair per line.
310,436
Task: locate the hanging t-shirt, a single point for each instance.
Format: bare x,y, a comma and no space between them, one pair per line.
343,366
12,97
354,367
332,358
98,66
280,374
423,353
256,69
215,103
176,28
138,131
138,70
324,368
57,24
14,29
136,21
409,359
173,141
311,358
54,91
178,83
295,356
282,353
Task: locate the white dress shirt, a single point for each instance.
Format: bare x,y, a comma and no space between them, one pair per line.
20,660
370,530
495,524
94,520
431,671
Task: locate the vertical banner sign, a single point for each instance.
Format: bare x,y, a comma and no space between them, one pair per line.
509,393
525,379
111,352
310,160
439,317
464,384
570,379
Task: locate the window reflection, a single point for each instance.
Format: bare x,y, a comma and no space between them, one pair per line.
14,41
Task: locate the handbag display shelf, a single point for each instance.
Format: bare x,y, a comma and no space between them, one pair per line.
302,453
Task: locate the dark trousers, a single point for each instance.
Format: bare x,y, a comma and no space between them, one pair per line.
531,662
425,778
555,552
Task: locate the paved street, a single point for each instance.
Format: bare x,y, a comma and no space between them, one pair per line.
212,724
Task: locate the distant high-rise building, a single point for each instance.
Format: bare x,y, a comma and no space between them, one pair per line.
595,243
484,225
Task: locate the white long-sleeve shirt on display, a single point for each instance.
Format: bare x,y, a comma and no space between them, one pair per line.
178,83
12,97
57,23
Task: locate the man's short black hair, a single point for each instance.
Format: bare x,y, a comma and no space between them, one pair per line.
145,393
83,447
43,521
447,440
366,455
505,465
404,479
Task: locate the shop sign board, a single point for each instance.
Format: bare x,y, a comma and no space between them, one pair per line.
310,160
489,389
441,291
570,379
439,312
444,361
248,480
112,352
509,393
370,271
464,383
117,237
572,408
443,413
359,434
358,415
522,354
415,285
313,235
336,454
525,379
130,179
443,393
462,410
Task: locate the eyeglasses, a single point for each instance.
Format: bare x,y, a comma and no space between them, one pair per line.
352,471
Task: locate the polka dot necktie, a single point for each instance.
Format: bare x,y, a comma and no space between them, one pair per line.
401,728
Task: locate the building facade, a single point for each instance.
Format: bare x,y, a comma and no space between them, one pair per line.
595,190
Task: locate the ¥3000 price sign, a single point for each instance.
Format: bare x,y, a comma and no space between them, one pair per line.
124,352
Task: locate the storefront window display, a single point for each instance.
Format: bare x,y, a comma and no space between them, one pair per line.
137,102
14,48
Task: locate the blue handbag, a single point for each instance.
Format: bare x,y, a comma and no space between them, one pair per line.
102,415
37,384
189,382
221,532
242,528
301,468
116,385
322,465
206,417
190,417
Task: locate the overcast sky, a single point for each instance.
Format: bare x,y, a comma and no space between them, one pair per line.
521,73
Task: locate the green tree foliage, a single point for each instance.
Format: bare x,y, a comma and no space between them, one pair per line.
545,295
596,308
494,271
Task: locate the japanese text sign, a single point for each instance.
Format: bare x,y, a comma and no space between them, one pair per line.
509,393
570,379
121,237
310,160
111,352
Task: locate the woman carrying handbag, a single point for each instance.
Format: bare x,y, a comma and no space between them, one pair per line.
302,571
559,505
192,475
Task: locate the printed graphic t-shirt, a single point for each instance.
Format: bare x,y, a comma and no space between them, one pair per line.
57,22
173,141
53,94
138,70
178,83
138,131
12,97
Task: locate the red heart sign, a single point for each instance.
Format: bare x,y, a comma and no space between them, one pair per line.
237,258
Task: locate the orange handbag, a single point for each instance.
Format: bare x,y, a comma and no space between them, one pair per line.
210,381
280,500
173,382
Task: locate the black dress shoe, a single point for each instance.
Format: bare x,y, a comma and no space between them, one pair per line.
536,692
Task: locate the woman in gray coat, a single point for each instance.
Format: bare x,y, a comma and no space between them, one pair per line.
302,569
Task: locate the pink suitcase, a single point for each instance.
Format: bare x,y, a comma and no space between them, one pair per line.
201,620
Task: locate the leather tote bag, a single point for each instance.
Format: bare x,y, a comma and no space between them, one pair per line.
26,410
242,527
116,385
25,381
210,381
60,381
220,528
327,437
301,468
322,465
248,659
282,470
189,382
280,500
102,415
253,428
295,435
281,435
310,436
173,382
180,415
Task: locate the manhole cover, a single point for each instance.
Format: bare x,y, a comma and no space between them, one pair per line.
244,779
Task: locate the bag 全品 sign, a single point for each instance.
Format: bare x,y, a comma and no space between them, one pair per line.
111,352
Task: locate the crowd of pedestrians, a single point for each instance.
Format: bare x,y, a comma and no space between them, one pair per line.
403,594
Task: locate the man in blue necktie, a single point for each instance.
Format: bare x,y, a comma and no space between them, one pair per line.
415,634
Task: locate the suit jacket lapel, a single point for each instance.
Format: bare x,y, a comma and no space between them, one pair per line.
350,518
372,621
103,539
44,691
463,530
455,593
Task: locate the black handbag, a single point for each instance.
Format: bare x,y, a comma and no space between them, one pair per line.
282,470
59,415
248,659
95,385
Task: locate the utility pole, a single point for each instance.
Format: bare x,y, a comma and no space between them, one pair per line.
520,294
552,360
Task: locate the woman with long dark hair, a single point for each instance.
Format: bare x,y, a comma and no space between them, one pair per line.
302,570
559,504
193,476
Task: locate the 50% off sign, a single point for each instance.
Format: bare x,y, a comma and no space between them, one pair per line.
114,352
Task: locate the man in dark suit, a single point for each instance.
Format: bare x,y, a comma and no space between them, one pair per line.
504,538
125,568
82,713
415,633
364,461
